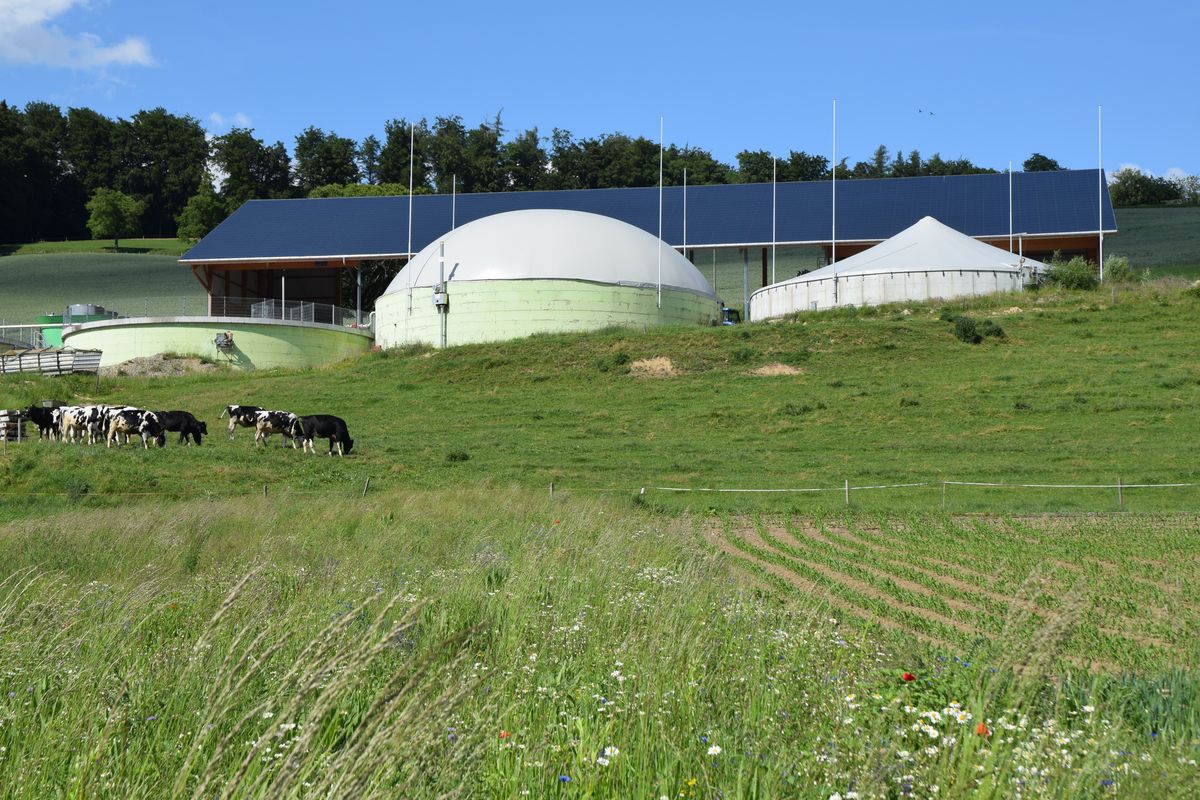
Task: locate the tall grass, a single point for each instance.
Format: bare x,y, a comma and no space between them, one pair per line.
496,643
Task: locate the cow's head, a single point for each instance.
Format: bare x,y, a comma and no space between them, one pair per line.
203,428
349,444
295,428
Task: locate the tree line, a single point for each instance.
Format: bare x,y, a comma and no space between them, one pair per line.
63,174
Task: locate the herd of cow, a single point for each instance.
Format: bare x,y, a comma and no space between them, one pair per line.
116,424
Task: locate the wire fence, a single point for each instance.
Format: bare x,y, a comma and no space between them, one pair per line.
846,489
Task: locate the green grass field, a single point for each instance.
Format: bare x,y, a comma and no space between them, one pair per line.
1164,240
453,628
159,247
132,284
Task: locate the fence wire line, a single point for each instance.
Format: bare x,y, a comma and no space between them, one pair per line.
938,483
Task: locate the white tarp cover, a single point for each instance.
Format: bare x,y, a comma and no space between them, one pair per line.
925,261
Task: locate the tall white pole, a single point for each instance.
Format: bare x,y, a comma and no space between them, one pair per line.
833,233
1100,184
1010,201
773,206
412,137
685,212
453,198
658,300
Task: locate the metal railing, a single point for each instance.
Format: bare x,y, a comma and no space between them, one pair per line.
21,337
198,306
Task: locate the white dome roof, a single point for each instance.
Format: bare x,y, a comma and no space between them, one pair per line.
550,244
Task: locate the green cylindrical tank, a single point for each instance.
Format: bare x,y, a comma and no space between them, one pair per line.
52,334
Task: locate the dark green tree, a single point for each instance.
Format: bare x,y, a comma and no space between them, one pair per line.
524,162
484,153
1040,163
800,166
93,149
165,161
1132,187
251,169
322,158
448,153
368,159
203,212
754,166
702,168
113,214
393,158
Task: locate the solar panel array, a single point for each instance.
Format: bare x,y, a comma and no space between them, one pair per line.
1063,202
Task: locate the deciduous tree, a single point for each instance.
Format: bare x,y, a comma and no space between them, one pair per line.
113,214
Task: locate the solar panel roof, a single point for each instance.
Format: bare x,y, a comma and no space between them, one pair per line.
1043,203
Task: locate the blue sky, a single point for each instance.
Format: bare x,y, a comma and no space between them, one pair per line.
992,82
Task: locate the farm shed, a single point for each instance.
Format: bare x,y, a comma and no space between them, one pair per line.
925,261
540,270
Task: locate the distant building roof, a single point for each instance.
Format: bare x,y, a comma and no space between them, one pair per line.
731,215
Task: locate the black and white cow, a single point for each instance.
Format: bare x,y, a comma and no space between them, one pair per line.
44,419
72,423
325,427
184,424
281,422
240,416
144,423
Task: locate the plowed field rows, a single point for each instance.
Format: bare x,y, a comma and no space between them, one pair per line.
1107,592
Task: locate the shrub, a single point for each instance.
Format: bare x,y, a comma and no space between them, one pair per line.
966,330
948,314
1077,273
1117,270
909,402
458,456
991,328
1193,290
618,362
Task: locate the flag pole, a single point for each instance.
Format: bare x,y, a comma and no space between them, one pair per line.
1010,207
658,300
774,161
833,233
1100,184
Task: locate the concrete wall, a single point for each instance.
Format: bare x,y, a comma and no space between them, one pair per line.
261,344
878,289
482,311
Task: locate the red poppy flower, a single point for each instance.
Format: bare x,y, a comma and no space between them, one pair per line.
982,730
908,677
504,734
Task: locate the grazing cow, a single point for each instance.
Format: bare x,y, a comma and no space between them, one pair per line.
144,423
240,416
184,424
71,422
325,427
281,422
44,419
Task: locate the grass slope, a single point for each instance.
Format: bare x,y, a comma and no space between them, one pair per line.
496,643
1082,390
1165,240
132,284
162,247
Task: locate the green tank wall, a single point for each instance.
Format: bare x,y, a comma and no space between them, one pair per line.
482,311
261,344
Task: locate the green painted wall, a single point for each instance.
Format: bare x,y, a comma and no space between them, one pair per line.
257,345
482,311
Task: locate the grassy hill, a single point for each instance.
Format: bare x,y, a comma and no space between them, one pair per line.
133,284
1164,240
455,628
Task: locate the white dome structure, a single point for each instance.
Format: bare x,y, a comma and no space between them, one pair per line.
926,261
540,270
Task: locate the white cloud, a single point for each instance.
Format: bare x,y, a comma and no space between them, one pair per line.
238,120
28,36
1175,174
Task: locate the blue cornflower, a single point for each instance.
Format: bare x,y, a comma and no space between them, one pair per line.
564,778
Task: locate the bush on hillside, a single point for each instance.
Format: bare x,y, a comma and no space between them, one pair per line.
1118,270
967,331
1078,273
991,328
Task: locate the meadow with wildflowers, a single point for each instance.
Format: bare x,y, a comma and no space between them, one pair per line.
454,629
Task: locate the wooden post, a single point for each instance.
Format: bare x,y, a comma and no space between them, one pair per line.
264,490
847,492
943,495
552,488
366,485
1120,495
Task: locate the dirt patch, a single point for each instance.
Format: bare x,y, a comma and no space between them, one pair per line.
1013,310
659,367
771,370
159,366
